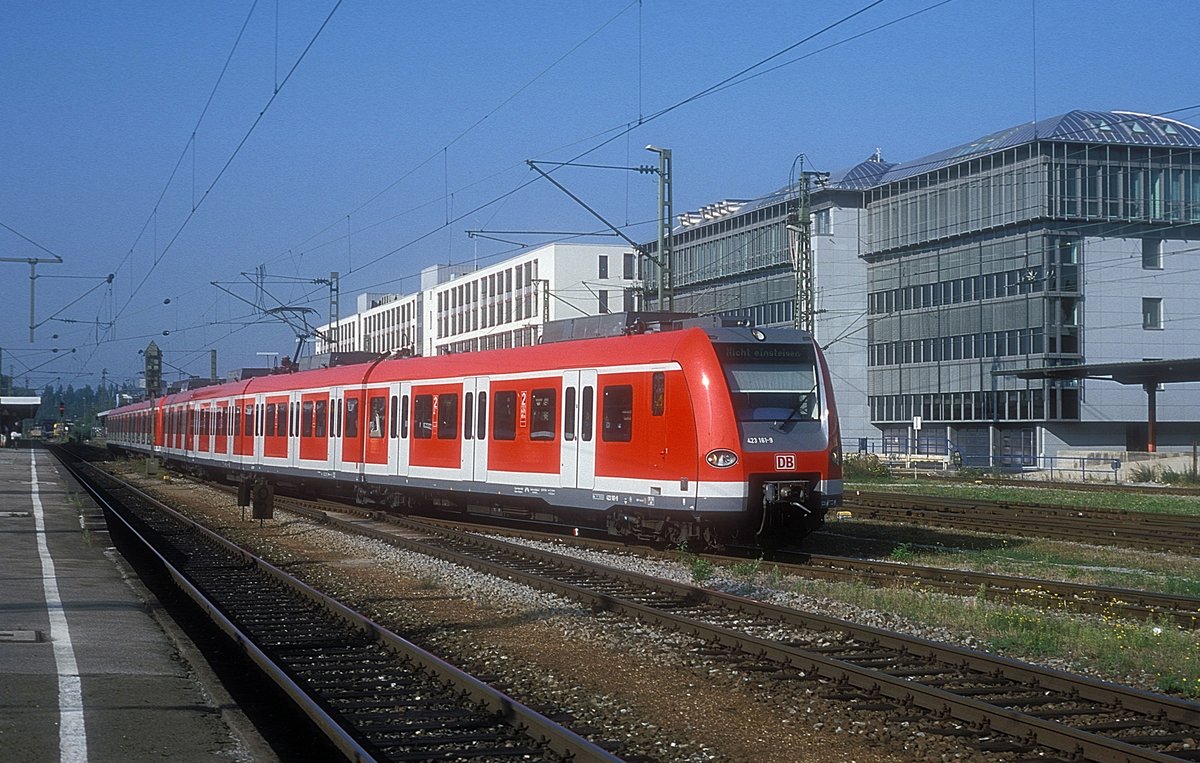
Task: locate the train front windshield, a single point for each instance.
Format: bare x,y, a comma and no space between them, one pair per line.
772,383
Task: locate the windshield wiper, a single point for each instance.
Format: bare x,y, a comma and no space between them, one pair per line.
805,404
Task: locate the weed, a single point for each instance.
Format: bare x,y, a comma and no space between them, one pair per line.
746,571
701,568
902,553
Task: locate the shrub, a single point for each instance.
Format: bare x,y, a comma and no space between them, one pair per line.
857,466
1143,473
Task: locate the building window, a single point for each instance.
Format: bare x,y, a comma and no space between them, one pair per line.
1152,254
603,266
627,266
821,225
1152,313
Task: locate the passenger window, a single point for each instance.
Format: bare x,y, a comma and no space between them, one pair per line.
542,423
447,416
237,421
306,419
351,423
321,413
336,429
481,419
249,426
569,414
618,413
422,417
587,414
658,393
468,415
281,420
271,419
404,417
394,417
378,416
504,416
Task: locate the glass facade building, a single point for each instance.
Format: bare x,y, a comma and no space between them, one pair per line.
1059,242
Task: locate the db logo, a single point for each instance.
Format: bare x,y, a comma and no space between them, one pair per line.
785,462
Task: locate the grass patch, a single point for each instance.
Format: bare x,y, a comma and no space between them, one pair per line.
1165,657
1132,501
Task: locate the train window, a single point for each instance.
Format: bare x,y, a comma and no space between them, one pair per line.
618,413
447,416
271,413
586,414
378,408
351,417
306,419
404,417
394,416
658,393
249,426
569,413
321,412
481,418
504,416
281,420
335,418
542,423
422,417
468,415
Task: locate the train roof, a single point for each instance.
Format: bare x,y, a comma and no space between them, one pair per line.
654,347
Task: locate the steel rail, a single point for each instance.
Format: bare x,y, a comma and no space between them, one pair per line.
541,730
1141,530
533,568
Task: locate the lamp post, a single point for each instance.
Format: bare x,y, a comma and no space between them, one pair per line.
665,215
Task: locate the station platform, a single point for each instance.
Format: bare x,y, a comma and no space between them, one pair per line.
89,668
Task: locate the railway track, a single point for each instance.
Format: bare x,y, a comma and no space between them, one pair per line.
996,703
1110,527
376,696
1134,604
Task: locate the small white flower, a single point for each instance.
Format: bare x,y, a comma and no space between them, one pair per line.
1156,631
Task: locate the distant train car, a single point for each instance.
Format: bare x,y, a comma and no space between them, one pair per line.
681,430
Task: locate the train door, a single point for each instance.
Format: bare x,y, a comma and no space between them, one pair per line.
380,425
402,405
578,460
474,429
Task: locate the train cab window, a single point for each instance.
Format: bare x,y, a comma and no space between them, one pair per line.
542,421
321,412
481,416
306,419
404,417
658,393
618,413
468,415
378,413
447,428
351,423
504,416
586,414
393,417
569,414
422,417
271,408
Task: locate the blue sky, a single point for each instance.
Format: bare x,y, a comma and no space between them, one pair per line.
404,125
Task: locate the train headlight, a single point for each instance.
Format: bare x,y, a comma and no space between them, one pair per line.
835,456
721,458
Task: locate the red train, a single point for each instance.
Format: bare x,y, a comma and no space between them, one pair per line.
700,429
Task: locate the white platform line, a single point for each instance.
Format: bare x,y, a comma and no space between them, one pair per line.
72,737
